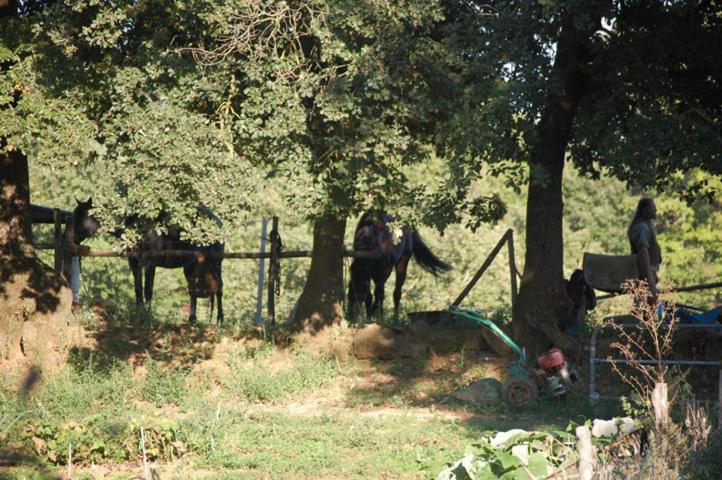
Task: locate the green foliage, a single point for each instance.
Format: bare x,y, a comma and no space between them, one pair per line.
51,438
112,83
163,437
706,465
97,440
523,455
338,97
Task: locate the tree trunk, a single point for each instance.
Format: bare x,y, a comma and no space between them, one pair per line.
34,302
15,228
542,301
321,303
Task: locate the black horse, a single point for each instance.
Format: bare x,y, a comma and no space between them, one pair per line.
82,226
85,225
202,270
374,234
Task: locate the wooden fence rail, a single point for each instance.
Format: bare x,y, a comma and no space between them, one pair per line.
83,251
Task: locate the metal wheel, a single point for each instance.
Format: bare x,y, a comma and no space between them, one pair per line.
569,375
519,391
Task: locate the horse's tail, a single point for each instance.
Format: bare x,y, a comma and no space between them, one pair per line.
426,258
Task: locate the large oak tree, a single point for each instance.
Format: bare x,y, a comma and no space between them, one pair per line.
339,97
631,87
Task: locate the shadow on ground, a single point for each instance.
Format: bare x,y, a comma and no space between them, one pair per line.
177,345
427,373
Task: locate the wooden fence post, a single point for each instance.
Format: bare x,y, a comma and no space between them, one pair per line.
661,405
261,273
586,453
59,248
512,270
483,268
273,272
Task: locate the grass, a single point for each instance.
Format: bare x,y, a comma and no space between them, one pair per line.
254,381
216,406
339,445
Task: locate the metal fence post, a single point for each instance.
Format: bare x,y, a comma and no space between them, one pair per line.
59,248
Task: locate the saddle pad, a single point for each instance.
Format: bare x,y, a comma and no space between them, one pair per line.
608,272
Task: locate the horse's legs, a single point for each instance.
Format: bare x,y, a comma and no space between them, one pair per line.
190,273
368,301
379,294
149,280
137,269
192,315
401,270
358,289
359,294
382,271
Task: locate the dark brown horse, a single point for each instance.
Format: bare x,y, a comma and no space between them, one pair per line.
373,233
202,270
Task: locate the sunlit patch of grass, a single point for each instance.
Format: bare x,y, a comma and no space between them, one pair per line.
257,381
338,445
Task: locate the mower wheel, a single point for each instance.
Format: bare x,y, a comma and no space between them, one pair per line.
519,391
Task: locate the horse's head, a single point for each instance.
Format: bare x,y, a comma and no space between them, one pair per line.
374,233
84,224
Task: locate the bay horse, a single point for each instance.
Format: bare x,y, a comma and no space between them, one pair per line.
202,270
374,234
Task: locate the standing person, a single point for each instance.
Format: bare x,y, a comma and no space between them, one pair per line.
643,241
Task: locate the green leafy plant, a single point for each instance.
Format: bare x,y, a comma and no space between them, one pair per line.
163,439
515,454
50,438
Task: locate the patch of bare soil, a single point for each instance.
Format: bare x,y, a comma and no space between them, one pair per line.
314,408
